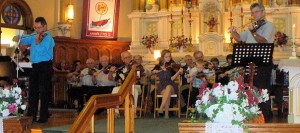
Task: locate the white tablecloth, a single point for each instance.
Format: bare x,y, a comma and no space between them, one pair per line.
222,128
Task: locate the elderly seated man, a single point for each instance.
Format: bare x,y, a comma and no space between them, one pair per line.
120,74
103,84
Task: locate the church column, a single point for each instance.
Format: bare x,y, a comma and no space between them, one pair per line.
136,5
163,5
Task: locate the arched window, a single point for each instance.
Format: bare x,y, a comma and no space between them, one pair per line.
15,14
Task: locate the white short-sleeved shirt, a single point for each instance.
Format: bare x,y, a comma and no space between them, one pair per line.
267,31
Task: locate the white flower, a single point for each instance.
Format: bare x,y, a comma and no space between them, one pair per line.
265,95
18,101
23,107
6,92
244,103
217,92
233,96
254,109
5,104
205,97
233,86
17,89
5,112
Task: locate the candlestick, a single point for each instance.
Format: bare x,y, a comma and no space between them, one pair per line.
230,14
293,33
190,15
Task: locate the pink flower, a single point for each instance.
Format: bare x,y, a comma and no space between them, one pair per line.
12,108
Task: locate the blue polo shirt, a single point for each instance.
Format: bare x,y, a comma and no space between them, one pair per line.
42,51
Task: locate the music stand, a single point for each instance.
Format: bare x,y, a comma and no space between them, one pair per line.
259,53
252,54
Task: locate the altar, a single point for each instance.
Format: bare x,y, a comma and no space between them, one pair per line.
205,23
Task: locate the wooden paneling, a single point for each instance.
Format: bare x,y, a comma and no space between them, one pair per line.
71,49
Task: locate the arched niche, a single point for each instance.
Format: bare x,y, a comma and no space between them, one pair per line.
18,12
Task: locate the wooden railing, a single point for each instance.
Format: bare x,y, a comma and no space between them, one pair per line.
85,121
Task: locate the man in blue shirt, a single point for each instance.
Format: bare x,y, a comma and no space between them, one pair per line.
41,54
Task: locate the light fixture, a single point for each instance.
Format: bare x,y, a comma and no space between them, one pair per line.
156,54
70,11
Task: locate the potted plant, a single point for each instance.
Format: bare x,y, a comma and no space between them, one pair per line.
280,40
233,103
150,41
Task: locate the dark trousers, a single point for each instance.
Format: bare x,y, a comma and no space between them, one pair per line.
40,88
193,95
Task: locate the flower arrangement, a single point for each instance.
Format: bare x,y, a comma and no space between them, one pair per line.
180,41
150,41
11,100
231,103
281,39
212,22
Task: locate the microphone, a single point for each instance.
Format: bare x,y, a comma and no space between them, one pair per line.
29,28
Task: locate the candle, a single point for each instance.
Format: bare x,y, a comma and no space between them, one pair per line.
190,15
171,16
230,6
182,4
241,6
230,14
293,33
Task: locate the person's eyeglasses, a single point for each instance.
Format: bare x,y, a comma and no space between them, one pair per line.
256,12
37,28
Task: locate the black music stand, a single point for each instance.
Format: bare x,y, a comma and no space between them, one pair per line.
259,53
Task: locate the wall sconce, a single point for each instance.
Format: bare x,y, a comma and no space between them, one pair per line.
156,54
70,12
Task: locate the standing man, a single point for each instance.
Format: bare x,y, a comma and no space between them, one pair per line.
41,54
261,32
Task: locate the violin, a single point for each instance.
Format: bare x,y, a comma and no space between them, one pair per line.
258,24
41,37
106,69
172,66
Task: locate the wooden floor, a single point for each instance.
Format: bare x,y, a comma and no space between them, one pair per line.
63,116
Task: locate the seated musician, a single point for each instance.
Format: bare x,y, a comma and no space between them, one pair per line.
88,74
73,80
166,76
199,56
61,67
188,59
142,72
104,84
209,71
119,75
197,77
224,76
